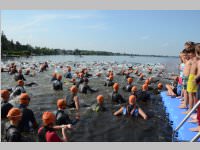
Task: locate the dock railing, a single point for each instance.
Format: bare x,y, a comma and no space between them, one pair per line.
184,120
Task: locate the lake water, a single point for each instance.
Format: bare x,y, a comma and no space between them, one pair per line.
99,126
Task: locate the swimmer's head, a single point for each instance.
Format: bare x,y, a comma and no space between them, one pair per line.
134,89
48,118
59,77
20,82
5,95
160,86
61,103
132,100
100,99
110,77
147,81
145,87
116,87
130,80
24,99
74,89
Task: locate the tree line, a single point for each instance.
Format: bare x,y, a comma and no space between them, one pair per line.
11,48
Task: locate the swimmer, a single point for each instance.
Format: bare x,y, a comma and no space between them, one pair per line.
62,118
80,79
84,87
72,99
47,132
27,114
143,95
12,132
57,84
109,81
5,105
100,105
131,109
68,74
116,97
18,89
128,87
19,76
53,77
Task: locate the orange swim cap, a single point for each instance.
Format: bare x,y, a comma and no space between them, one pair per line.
14,114
48,118
145,87
116,86
134,89
130,80
74,89
160,86
100,99
147,81
24,99
54,75
59,77
20,82
132,99
5,94
110,77
81,75
61,103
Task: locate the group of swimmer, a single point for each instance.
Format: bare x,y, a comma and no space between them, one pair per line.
19,118
186,86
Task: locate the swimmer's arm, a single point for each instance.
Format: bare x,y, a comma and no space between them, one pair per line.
118,112
76,102
142,113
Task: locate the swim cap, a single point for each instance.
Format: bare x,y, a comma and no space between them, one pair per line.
20,82
5,94
59,77
146,81
74,89
134,89
110,77
81,75
145,87
61,103
54,75
24,99
116,86
130,80
100,99
48,118
160,86
14,114
132,99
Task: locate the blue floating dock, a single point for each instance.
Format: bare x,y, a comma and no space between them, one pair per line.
176,116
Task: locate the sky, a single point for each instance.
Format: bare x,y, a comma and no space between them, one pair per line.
125,31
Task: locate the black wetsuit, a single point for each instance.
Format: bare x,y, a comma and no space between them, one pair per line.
57,85
68,75
142,95
5,107
27,116
80,81
83,88
53,79
109,83
87,75
117,98
128,88
12,133
63,118
99,108
19,77
70,101
18,90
